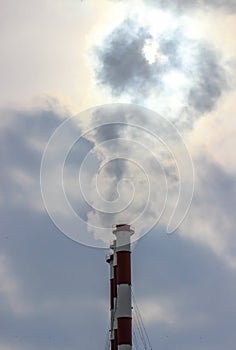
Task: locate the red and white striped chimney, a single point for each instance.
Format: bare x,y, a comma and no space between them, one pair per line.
123,284
113,297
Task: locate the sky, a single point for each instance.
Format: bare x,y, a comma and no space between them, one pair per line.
117,111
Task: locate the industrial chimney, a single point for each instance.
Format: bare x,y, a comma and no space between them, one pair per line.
120,289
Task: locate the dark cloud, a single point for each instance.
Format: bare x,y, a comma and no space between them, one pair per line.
23,139
185,5
194,283
22,143
190,5
39,301
55,293
47,300
124,69
123,65
211,80
216,190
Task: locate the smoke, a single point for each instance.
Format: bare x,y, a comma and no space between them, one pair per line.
211,80
140,160
123,66
133,62
134,171
186,78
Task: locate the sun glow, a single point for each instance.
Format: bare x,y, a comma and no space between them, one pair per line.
163,26
175,80
158,21
152,53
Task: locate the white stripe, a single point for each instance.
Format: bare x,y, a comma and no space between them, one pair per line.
122,241
124,300
124,347
111,270
115,314
112,337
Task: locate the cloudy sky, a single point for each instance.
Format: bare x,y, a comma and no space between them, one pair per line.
171,67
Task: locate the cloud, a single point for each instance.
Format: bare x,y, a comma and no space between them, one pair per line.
211,80
123,65
186,279
189,5
42,304
183,5
215,135
156,311
23,138
54,291
191,71
211,217
11,290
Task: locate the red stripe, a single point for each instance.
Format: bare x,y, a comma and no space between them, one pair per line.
115,282
124,331
123,227
124,268
114,344
112,293
116,340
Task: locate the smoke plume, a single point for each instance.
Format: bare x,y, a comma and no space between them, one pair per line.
124,68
